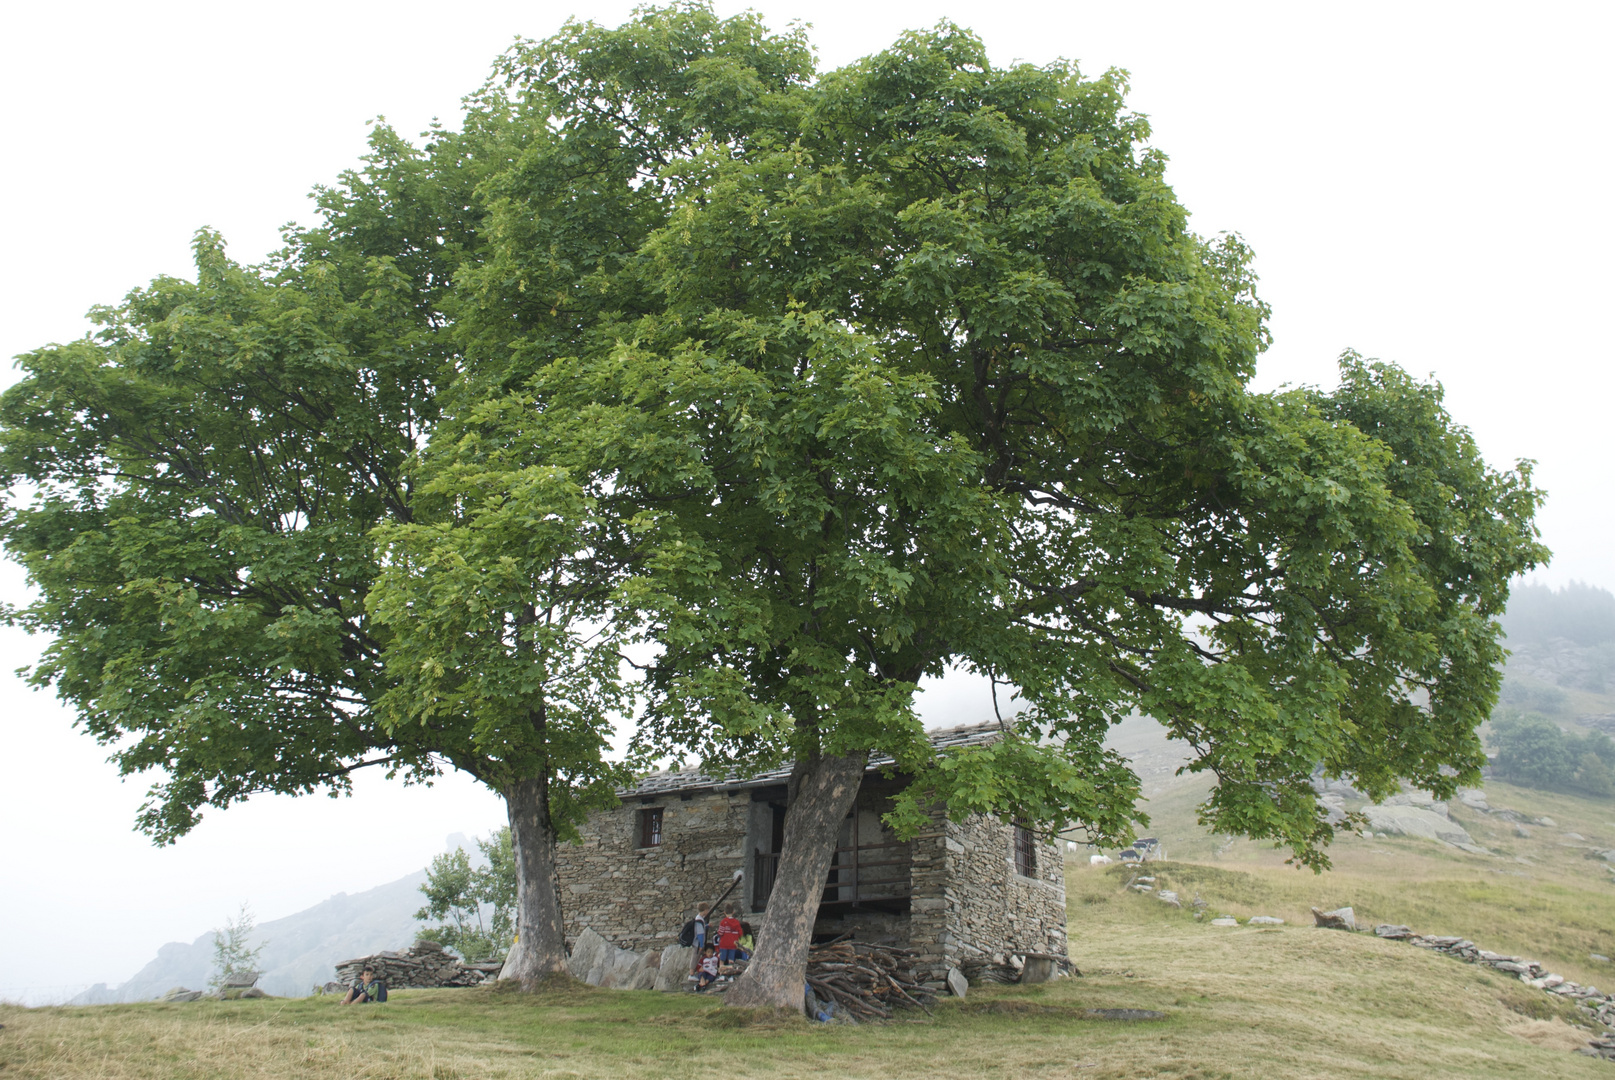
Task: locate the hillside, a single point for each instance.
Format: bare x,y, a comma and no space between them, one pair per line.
1288,1001
299,949
1546,890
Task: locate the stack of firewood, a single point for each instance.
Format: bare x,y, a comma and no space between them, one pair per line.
867,981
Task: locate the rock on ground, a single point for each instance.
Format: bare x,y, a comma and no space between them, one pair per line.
1401,820
598,962
1338,919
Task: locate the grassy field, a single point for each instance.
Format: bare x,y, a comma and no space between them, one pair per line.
1292,1002
1281,1003
1549,896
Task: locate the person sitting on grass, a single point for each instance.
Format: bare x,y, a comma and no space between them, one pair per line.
709,969
366,990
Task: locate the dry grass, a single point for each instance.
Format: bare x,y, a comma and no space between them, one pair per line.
1547,896
1292,1003
1288,1004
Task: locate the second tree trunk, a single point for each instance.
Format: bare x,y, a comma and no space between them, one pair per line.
822,791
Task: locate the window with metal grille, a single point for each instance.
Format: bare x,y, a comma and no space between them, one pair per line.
1025,852
650,827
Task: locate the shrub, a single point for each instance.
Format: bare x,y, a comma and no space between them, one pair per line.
231,956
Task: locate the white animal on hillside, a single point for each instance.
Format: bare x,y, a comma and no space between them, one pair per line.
1099,860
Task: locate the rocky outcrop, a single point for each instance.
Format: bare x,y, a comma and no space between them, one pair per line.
1406,820
598,962
674,970
423,964
1338,919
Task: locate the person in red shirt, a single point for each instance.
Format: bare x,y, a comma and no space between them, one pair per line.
729,931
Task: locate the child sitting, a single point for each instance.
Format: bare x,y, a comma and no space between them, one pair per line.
708,973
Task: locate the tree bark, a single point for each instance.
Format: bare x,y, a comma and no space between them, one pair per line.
540,948
822,790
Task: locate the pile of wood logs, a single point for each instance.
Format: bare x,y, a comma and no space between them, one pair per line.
866,981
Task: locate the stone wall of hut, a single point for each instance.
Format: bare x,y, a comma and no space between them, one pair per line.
639,897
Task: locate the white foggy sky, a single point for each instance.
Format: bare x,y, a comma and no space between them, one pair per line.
1420,182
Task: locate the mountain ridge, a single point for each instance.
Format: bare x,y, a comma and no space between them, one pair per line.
299,950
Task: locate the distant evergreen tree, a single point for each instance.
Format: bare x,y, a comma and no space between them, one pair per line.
1582,613
231,956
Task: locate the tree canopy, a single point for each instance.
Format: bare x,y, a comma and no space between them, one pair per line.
819,384
918,364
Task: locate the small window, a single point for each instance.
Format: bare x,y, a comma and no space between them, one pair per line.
650,827
1025,852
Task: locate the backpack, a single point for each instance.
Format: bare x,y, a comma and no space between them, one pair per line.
687,935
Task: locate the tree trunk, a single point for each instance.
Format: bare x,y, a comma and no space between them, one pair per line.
540,947
822,791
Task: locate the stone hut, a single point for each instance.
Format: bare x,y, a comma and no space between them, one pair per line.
980,889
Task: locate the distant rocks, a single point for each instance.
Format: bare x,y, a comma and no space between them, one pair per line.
1263,920
1225,921
1325,786
236,985
1598,1006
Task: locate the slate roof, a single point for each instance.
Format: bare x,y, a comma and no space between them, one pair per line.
689,780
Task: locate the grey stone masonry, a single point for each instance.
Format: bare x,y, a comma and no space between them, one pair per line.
955,892
991,909
638,897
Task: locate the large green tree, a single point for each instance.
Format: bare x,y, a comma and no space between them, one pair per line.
191,491
503,651
823,384
208,492
931,371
